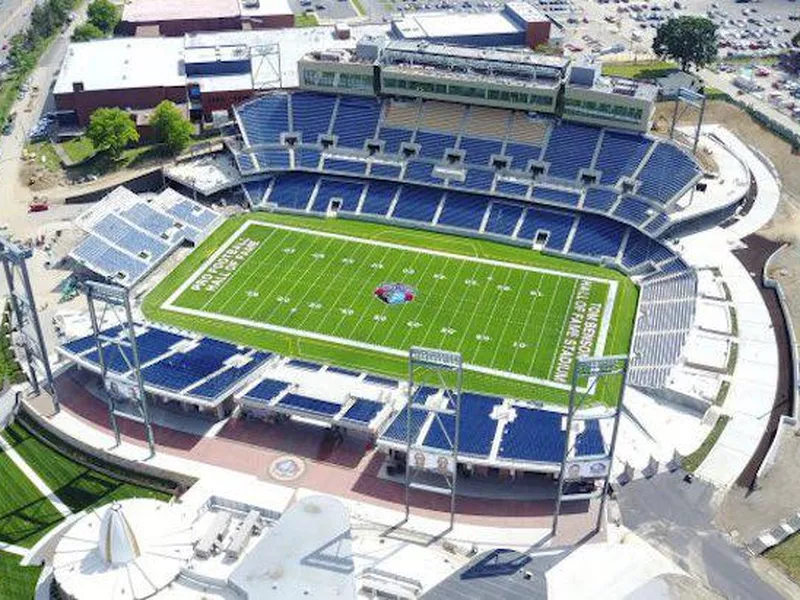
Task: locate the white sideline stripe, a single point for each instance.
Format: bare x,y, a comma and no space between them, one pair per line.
34,478
355,344
169,304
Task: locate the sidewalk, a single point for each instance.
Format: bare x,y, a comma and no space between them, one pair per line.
34,478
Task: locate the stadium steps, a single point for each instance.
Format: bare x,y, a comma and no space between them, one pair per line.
643,162
597,149
571,235
485,219
439,209
313,195
618,258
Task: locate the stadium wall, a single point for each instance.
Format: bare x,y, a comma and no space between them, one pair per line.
84,103
179,27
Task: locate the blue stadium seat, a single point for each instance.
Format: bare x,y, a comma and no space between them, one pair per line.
150,345
667,171
354,167
228,379
641,249
597,236
308,158
512,188
599,200
557,223
255,190
393,138
556,196
477,428
463,210
362,411
570,149
476,179
589,442
520,154
348,192
398,428
417,203
356,120
193,213
387,171
266,390
503,218
634,210
182,369
535,435
293,190
478,151
379,197
265,118
421,172
433,145
311,114
312,406
620,155
275,159
306,365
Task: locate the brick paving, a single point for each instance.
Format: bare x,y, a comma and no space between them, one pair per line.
348,470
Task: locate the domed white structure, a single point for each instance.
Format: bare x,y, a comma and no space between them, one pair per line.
127,550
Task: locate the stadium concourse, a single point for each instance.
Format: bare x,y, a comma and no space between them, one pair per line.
522,239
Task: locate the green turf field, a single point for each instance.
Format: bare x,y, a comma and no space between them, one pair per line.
17,582
304,286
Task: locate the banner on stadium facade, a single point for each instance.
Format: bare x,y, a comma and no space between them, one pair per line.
429,461
120,387
588,469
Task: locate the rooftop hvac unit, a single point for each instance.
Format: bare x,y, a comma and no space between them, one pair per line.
251,3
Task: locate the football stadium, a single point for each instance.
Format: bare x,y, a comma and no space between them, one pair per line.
460,282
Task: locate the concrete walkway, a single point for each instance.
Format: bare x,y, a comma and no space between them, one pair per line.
755,378
12,549
34,478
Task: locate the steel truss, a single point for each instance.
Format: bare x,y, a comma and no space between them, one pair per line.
26,317
116,308
436,364
590,371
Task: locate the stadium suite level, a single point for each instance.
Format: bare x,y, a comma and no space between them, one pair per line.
213,72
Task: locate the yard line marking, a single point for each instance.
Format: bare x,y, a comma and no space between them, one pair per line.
520,287
342,292
528,317
543,328
486,286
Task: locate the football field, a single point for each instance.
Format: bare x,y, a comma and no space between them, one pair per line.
508,319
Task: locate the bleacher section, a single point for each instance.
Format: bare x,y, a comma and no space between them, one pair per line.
198,370
666,313
129,235
526,434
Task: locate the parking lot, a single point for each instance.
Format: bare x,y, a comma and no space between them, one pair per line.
326,10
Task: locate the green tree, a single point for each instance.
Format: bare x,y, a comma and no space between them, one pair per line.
103,14
171,127
689,40
111,130
87,32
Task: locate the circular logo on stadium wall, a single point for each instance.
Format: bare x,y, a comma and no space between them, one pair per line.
286,468
395,293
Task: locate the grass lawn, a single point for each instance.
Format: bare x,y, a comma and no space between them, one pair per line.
306,20
79,149
77,486
695,459
359,7
787,556
303,293
647,69
16,582
25,515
